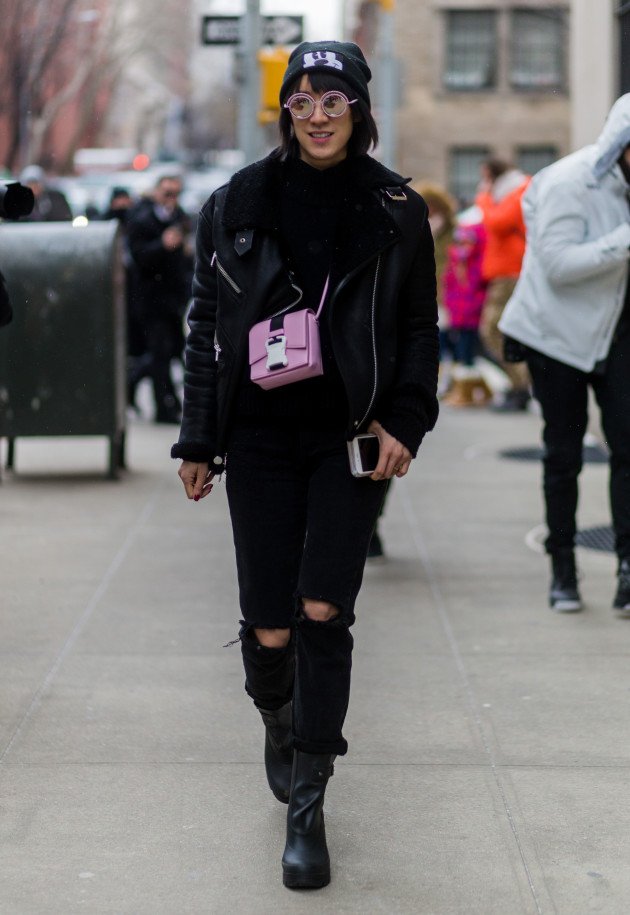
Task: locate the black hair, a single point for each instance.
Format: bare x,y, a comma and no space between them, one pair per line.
496,167
364,131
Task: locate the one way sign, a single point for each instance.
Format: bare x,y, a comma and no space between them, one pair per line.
226,30
282,29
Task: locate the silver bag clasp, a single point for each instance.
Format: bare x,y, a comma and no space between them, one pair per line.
276,352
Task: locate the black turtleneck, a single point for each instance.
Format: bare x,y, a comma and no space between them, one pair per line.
312,200
311,205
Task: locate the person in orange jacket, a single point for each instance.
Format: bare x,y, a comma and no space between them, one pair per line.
499,199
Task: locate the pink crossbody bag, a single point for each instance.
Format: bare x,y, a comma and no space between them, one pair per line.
285,348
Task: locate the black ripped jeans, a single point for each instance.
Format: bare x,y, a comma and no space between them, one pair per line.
302,524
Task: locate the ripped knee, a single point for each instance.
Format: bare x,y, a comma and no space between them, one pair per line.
319,611
272,638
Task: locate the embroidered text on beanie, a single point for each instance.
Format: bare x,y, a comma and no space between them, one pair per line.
342,58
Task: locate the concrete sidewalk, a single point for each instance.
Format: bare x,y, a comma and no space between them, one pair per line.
489,753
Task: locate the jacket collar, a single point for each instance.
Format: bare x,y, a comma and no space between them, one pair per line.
253,202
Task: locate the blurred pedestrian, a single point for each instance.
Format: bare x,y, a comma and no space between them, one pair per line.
119,205
499,199
442,221
319,224
464,296
139,361
157,233
571,312
50,203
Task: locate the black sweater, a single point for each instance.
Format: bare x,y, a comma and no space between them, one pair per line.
311,204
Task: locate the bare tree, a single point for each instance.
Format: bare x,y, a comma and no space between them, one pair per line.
61,54
39,72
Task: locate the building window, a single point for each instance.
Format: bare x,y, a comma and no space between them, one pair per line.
537,45
530,159
471,43
464,172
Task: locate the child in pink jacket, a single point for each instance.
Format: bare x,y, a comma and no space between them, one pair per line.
464,295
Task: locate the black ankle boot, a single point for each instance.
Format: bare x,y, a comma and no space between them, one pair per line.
564,596
278,750
305,863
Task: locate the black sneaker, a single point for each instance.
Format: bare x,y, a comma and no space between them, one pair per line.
515,401
564,596
622,597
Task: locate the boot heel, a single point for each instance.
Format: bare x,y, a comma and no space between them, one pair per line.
314,881
306,863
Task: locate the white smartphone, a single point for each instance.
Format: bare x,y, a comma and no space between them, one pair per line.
363,452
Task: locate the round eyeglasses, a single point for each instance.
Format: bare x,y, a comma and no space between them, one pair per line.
333,104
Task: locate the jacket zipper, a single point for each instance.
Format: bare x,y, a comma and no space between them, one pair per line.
226,276
374,357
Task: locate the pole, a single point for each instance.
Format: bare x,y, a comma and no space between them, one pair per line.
248,129
387,89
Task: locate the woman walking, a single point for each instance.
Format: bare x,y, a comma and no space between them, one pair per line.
317,225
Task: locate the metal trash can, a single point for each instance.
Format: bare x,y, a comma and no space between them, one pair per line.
63,358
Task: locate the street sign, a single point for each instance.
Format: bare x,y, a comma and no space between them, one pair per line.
226,30
283,29
221,30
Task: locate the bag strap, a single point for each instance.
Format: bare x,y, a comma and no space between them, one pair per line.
323,298
277,320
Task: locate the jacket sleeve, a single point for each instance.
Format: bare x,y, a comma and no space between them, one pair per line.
561,227
411,409
198,431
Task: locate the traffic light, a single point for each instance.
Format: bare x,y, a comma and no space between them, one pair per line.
273,62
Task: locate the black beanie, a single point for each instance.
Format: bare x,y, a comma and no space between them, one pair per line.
339,58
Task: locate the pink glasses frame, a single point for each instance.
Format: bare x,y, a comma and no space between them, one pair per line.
316,102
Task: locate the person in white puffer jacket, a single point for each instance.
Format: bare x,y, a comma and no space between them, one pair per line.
570,311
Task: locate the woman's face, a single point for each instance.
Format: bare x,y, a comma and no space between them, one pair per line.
323,141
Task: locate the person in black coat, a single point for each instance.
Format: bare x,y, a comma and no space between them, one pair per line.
157,233
316,222
139,362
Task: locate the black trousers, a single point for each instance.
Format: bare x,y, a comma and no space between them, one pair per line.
563,395
302,524
164,342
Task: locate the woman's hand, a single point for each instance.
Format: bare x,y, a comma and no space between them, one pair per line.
197,479
393,458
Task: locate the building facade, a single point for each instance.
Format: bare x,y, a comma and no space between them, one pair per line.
479,79
599,64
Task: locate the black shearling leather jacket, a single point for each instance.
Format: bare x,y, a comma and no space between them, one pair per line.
382,305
